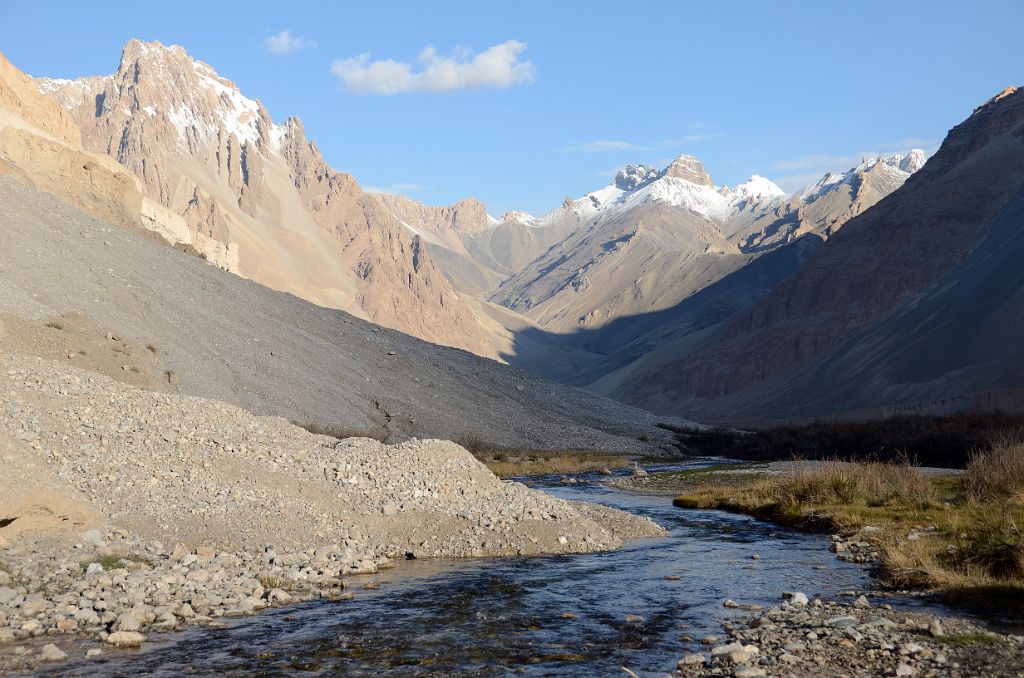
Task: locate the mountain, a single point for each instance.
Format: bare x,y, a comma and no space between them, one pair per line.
914,305
213,157
645,242
825,206
646,269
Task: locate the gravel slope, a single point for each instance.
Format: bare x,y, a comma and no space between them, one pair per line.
233,340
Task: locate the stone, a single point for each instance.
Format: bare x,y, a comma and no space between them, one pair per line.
841,622
52,653
128,621
935,629
748,672
93,652
92,538
795,598
693,659
634,619
904,670
94,568
125,639
861,602
277,597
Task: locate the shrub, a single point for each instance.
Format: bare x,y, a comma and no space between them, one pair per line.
996,474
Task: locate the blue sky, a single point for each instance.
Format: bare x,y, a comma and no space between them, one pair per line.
523,103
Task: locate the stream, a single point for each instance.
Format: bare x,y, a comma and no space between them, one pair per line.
537,616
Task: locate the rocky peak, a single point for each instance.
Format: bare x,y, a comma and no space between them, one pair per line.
632,177
517,215
690,169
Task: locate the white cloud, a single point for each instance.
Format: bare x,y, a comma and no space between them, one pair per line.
498,66
397,188
286,43
608,145
600,145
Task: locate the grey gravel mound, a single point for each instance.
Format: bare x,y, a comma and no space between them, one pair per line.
269,352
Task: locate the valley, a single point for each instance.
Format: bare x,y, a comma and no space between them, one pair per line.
260,417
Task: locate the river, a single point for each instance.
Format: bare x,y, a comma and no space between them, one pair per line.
538,616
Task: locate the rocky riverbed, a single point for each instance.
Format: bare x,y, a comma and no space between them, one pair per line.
125,512
802,637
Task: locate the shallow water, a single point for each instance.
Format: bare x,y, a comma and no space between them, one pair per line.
494,616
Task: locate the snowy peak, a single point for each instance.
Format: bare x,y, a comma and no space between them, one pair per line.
632,177
161,81
757,188
900,165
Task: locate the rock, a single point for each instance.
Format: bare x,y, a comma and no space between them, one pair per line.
935,629
795,598
52,653
278,597
861,602
125,639
904,670
841,622
730,603
910,649
128,621
693,659
638,471
748,672
92,538
709,640
634,619
93,652
94,568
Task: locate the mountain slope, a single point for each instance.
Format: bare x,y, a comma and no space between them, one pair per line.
209,154
234,340
879,267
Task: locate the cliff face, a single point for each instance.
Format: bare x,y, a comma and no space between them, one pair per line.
212,156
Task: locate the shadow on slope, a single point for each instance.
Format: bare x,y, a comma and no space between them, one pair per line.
622,344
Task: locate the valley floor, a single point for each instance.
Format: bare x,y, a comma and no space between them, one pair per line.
125,511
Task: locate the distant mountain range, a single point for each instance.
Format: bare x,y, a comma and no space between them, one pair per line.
661,289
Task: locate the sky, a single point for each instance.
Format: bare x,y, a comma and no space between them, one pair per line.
523,103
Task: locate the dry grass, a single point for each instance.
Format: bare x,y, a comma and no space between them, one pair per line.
997,475
967,541
509,463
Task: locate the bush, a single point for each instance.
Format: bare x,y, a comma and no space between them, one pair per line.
996,474
947,441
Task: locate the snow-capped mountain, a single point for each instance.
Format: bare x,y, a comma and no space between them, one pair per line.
684,184
906,163
213,157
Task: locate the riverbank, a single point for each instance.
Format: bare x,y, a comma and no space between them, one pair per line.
125,512
813,637
955,534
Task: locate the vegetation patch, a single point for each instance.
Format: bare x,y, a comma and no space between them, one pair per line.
947,441
510,463
956,534
114,562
